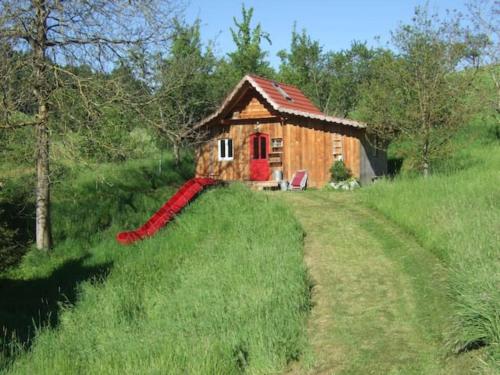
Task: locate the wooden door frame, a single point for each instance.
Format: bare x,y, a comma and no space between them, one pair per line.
251,150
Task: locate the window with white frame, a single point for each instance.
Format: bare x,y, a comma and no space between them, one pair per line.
225,147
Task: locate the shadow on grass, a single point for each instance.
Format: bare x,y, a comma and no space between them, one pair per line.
17,226
29,304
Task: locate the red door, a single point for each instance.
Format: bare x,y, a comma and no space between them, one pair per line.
259,150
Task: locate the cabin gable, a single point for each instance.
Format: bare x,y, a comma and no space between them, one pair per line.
250,106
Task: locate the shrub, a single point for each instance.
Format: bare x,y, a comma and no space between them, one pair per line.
340,172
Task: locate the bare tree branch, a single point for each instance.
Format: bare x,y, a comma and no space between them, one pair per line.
48,40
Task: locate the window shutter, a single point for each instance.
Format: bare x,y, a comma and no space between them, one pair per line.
222,148
229,148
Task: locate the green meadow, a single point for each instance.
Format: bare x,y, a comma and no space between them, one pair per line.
223,289
455,214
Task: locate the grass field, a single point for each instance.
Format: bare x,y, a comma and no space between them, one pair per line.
379,298
222,290
456,215
406,273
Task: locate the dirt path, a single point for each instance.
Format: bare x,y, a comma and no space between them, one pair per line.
378,299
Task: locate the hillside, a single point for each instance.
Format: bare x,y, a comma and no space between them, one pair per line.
216,292
455,214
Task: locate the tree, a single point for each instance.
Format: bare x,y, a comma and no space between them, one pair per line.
97,119
184,94
249,56
15,76
484,15
305,67
420,91
349,70
55,35
331,79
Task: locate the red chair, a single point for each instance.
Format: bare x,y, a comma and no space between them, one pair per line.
299,180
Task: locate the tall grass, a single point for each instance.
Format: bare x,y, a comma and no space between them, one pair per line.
88,205
223,289
456,214
88,200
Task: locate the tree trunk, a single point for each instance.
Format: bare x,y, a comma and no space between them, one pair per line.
41,91
43,227
425,169
496,81
425,159
177,154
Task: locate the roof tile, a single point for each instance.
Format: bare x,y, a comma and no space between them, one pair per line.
299,101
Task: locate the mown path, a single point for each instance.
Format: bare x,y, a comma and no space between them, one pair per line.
379,302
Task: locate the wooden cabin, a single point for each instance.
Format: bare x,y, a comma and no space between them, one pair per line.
264,128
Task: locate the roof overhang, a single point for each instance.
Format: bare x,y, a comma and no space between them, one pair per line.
280,109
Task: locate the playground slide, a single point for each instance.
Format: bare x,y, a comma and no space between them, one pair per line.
179,200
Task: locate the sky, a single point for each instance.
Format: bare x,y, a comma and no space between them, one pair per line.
334,23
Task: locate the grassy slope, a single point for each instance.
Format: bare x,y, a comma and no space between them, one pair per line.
106,198
85,202
215,292
379,297
456,215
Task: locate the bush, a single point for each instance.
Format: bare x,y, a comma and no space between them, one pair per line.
340,172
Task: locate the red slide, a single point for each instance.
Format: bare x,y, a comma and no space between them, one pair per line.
179,200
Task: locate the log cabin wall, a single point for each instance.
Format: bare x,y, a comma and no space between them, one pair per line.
251,106
352,150
250,115
238,168
308,144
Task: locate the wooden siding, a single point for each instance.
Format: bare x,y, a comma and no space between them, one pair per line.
352,150
307,144
250,106
238,168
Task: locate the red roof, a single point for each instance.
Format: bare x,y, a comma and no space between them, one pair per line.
283,98
298,101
